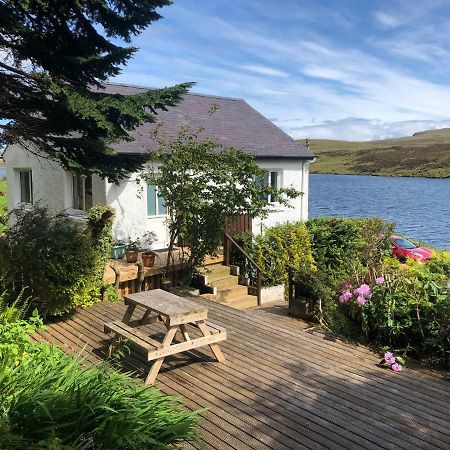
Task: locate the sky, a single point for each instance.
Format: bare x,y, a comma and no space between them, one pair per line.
333,69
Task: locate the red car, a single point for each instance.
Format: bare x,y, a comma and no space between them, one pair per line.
402,249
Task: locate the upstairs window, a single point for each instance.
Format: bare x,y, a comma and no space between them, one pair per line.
156,205
269,179
26,186
81,192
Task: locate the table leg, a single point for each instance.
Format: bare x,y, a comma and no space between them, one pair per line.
214,347
185,332
129,313
154,370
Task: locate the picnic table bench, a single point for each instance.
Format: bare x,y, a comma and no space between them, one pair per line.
176,313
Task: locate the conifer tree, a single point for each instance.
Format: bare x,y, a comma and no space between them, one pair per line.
54,57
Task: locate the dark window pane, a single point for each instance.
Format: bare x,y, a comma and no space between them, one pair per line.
78,192
26,188
88,202
273,183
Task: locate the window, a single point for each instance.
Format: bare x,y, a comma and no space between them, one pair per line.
26,186
270,179
81,192
155,203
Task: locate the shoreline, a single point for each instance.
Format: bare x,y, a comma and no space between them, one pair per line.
380,175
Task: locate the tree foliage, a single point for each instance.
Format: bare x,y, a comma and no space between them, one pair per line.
202,183
54,60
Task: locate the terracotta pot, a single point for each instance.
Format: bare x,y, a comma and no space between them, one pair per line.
132,256
148,259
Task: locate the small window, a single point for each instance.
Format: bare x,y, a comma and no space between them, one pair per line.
270,179
156,205
26,186
81,192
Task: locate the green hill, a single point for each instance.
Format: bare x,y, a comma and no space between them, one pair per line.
425,154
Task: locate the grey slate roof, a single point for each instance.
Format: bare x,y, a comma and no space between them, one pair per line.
235,124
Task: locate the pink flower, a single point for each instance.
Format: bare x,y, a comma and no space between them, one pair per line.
389,358
442,332
379,280
396,367
363,290
361,300
345,296
448,287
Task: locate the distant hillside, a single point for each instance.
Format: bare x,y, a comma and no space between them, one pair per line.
425,154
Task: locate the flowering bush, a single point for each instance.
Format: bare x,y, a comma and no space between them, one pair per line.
408,309
394,363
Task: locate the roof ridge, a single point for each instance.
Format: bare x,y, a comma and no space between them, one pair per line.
199,94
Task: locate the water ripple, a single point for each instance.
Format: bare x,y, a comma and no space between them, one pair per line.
420,207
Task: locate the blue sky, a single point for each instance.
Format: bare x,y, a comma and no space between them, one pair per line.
338,69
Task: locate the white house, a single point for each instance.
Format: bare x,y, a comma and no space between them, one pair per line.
234,123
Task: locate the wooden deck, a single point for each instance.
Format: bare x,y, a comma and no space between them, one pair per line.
284,386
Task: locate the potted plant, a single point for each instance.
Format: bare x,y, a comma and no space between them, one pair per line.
148,256
132,250
118,249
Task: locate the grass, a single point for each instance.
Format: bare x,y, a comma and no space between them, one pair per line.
2,193
425,154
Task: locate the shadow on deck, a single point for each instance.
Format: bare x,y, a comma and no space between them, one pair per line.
282,387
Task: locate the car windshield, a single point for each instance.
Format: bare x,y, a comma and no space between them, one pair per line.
405,244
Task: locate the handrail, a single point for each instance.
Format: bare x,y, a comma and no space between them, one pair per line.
227,249
250,259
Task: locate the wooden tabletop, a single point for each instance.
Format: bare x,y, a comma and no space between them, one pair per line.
165,303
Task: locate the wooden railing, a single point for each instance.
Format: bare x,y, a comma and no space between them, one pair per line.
229,243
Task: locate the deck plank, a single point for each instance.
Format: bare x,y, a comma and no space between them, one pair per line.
280,386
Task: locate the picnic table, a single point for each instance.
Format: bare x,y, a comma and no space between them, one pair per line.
177,313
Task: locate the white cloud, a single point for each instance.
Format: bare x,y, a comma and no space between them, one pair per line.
359,129
263,70
306,76
387,20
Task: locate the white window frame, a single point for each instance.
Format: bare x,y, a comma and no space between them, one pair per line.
75,207
19,184
278,173
151,216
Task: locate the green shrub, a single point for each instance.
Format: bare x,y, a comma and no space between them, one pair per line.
52,401
280,247
57,262
346,251
14,329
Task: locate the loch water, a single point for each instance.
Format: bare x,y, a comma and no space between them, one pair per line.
420,207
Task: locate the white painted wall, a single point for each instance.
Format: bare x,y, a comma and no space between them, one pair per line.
52,186
291,173
129,200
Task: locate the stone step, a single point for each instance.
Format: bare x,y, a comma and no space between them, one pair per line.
231,293
246,302
225,282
